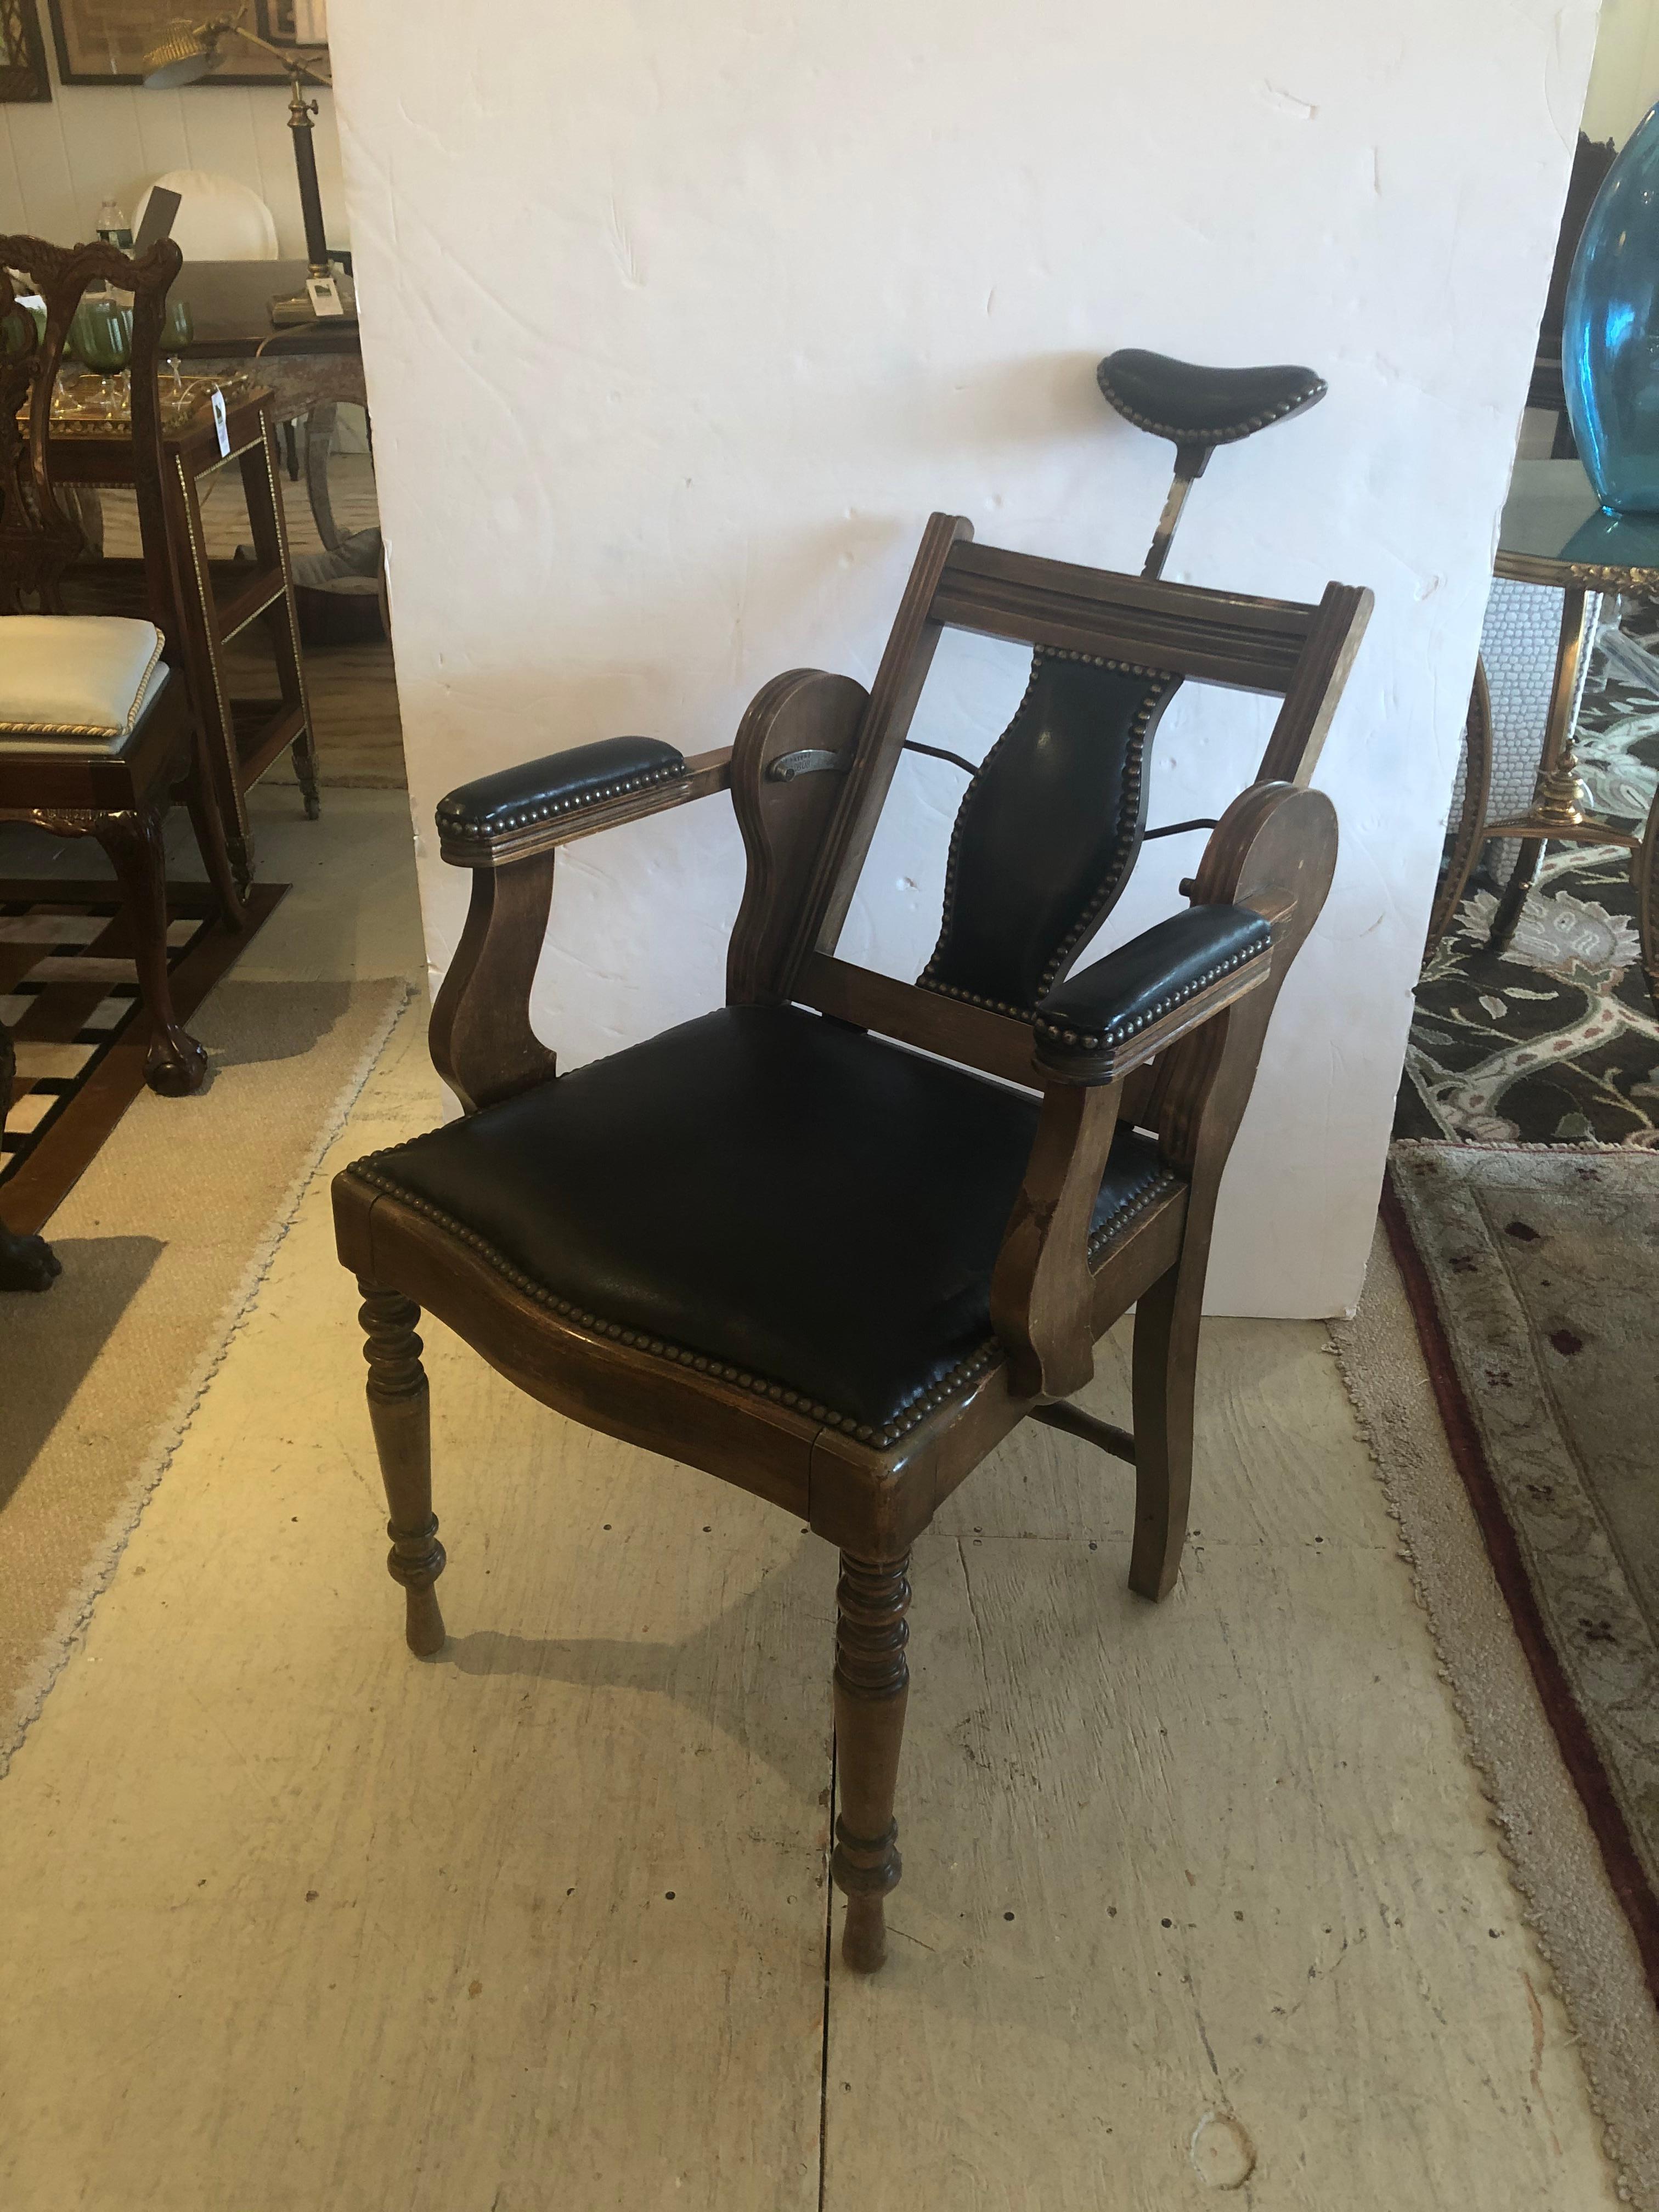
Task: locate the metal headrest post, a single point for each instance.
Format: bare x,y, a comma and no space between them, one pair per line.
1198,409
1191,462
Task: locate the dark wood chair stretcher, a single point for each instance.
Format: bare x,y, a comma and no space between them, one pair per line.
777,1245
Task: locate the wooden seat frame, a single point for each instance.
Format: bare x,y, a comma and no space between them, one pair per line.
1186,1076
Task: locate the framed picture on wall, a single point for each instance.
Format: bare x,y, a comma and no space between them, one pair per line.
292,22
22,53
105,41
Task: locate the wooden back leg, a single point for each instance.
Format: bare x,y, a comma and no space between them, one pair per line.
399,1406
210,841
1275,850
873,1682
1165,1371
175,1064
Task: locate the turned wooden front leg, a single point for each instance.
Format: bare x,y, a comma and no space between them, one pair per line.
873,1682
398,1406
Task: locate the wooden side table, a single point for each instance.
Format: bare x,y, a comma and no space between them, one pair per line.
215,600
309,368
1555,532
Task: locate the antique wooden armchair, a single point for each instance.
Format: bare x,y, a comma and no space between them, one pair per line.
97,733
776,1244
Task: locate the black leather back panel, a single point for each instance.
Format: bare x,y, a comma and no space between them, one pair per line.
1049,830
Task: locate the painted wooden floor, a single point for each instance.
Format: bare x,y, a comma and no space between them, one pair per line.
1196,1898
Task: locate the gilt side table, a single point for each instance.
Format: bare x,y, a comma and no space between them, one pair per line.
1553,533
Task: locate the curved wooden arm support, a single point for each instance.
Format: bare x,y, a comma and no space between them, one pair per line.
1040,1292
481,1040
1273,852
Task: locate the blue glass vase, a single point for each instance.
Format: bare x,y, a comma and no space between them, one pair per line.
1610,344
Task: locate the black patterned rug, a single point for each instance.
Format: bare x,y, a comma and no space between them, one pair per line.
1557,1040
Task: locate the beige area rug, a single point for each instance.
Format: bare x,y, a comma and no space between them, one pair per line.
1201,1898
1555,1855
99,1373
1534,1273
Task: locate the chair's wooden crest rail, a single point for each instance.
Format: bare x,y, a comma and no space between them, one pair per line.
780,1244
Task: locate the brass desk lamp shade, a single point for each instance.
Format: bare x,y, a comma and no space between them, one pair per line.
191,52
182,58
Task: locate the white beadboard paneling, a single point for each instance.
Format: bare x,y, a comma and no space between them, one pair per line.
101,138
163,142
62,159
45,186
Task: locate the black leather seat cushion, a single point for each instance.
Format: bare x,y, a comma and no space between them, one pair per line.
1199,406
780,1195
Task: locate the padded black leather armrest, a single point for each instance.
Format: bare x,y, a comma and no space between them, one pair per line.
1098,1024
518,809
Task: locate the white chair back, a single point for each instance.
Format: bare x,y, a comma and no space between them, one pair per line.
219,218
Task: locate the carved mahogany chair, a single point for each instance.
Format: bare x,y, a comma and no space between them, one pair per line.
96,732
777,1243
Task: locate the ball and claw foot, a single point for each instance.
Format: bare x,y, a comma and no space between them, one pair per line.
27,1263
175,1065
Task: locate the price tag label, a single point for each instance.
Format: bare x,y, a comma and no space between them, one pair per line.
222,429
325,295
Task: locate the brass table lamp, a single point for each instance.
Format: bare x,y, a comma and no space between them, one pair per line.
192,52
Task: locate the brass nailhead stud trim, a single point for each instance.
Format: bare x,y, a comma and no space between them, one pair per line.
1118,1032
455,822
1316,390
907,1416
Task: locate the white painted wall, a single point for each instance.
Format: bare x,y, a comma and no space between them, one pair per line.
58,161
679,321
1624,77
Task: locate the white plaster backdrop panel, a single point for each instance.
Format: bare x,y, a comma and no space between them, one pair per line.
679,321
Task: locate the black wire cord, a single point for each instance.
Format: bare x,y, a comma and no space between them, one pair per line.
937,752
